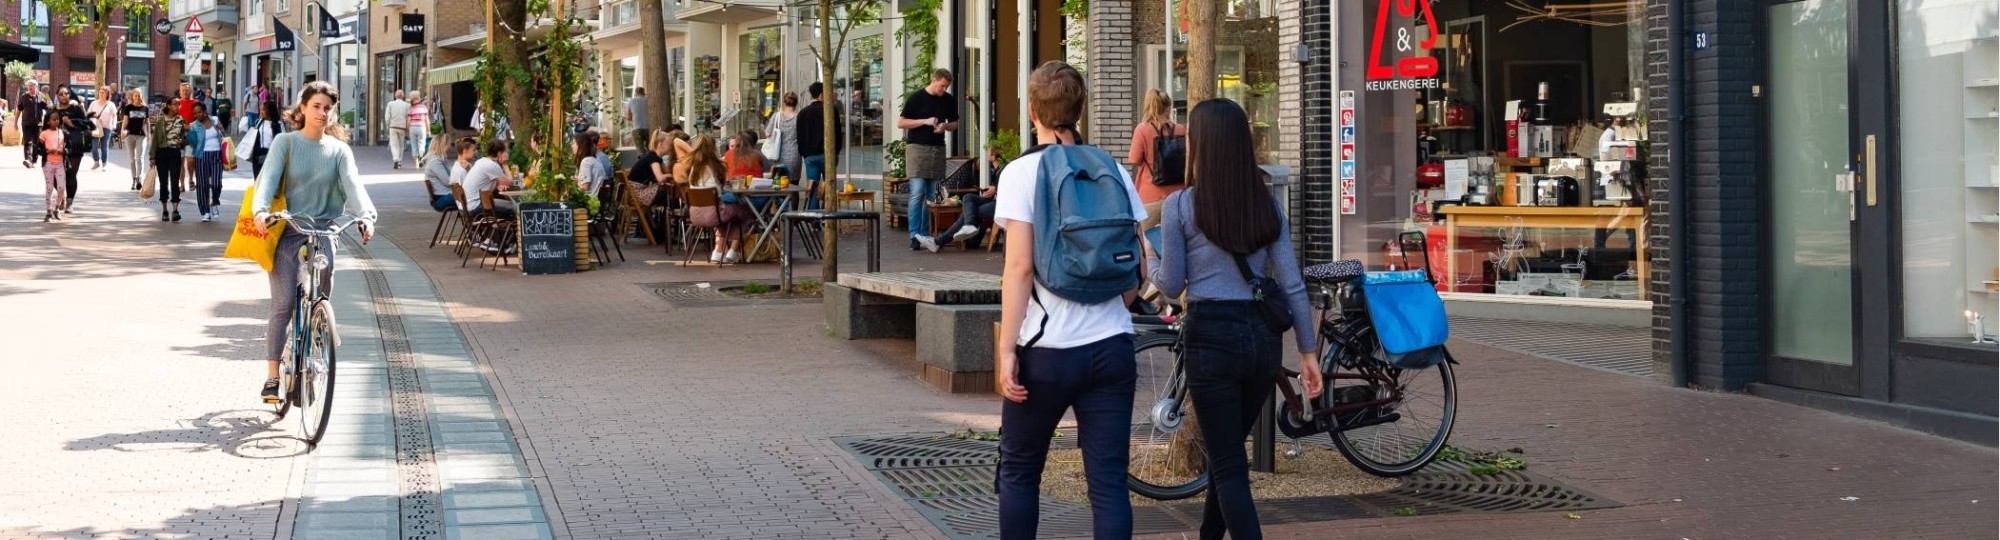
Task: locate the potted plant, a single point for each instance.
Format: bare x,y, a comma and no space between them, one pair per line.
16,73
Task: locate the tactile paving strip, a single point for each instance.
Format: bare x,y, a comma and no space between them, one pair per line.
422,509
950,482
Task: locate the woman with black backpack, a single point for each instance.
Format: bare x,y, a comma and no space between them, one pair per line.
1159,153
1225,244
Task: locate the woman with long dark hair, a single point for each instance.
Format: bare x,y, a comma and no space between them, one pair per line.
1220,235
266,127
316,169
729,219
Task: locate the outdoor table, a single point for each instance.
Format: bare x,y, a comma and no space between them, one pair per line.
785,248
768,217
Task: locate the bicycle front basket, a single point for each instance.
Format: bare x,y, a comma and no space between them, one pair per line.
1406,310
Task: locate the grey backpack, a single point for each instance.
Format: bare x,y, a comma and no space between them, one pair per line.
1086,232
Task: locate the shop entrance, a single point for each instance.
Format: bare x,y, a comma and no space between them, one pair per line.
1826,166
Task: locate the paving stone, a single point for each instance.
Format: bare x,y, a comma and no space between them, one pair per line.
384,475
482,471
347,534
473,437
461,427
349,504
491,499
535,531
347,520
492,516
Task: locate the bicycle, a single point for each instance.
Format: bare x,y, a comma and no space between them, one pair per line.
1365,407
307,367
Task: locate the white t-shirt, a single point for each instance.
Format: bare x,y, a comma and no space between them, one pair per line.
458,179
484,175
398,113
1070,324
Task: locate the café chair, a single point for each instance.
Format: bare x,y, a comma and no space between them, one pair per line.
447,217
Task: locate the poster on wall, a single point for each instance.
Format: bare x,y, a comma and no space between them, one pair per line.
1347,153
1400,37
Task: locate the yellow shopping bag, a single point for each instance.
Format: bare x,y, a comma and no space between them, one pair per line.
245,242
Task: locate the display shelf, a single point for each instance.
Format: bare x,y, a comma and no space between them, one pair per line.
1980,64
1987,82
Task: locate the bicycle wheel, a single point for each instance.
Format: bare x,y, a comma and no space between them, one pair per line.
1168,460
315,388
1397,438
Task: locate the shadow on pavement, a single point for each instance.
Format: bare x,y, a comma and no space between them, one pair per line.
223,521
244,433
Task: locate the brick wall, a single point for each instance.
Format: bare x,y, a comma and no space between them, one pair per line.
1114,76
165,72
1313,190
1720,127
1658,212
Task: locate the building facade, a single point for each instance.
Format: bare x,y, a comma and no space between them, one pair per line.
135,54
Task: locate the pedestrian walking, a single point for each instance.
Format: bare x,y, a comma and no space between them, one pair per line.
166,137
104,119
1226,244
317,171
50,137
812,141
635,116
398,114
1158,176
420,127
76,135
269,125
32,109
1070,350
183,105
205,161
926,117
134,114
784,126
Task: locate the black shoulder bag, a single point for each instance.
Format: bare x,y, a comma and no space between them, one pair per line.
1269,298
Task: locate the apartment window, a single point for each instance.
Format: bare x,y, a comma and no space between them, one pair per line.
35,22
284,6
138,35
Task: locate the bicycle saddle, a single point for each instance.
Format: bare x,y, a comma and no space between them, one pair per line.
1334,272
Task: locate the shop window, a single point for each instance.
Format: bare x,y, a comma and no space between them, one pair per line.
1949,89
762,52
1514,142
864,85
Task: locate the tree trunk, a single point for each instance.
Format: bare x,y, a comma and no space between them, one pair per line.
557,100
1201,50
829,270
505,38
659,87
103,28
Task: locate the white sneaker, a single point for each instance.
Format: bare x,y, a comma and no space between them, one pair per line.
715,257
733,257
205,218
928,243
965,232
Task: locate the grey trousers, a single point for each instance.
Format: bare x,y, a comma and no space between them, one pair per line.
285,289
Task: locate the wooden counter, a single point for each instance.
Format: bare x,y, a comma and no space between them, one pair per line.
1547,217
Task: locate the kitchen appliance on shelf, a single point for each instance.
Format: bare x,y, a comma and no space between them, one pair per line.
1613,185
1551,190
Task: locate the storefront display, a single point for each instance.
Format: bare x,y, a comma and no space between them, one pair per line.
1514,143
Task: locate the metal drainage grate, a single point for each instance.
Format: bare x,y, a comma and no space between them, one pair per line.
1620,349
950,482
692,295
421,504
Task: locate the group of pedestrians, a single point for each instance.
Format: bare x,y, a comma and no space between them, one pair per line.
409,118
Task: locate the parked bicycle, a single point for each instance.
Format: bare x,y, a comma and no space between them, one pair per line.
312,342
1387,420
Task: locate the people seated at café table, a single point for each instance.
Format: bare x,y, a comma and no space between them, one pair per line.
486,179
744,158
974,220
652,168
462,153
593,170
731,217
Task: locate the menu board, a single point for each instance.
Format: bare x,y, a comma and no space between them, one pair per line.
548,239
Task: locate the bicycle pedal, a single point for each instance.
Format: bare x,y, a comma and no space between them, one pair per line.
272,401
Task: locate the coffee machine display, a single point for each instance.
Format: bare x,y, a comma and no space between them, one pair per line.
1553,190
1613,185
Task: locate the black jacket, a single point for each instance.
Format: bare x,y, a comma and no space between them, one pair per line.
812,141
32,110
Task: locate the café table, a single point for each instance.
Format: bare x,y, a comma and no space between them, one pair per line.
767,215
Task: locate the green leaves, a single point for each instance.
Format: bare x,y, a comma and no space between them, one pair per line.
920,31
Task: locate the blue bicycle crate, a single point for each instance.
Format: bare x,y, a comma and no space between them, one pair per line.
1406,309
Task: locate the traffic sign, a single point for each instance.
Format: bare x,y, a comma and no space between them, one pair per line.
194,25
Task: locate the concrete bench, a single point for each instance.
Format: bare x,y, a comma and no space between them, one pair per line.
951,315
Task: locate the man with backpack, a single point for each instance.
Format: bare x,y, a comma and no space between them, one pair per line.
1072,266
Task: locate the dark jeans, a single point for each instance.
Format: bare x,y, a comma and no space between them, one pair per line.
71,162
977,209
167,164
1233,360
1097,380
31,140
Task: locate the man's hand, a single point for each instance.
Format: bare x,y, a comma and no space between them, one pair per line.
1005,377
1309,374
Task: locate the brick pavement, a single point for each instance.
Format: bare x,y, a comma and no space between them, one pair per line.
653,422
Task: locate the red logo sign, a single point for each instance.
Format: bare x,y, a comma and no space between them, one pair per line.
1413,67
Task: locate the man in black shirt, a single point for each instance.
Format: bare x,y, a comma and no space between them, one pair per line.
926,116
812,141
31,109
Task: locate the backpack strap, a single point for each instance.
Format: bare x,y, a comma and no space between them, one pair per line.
1036,297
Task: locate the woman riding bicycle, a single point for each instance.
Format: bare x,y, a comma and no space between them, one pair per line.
317,170
1227,222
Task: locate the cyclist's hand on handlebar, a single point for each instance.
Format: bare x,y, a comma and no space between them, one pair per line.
367,232
262,222
1309,374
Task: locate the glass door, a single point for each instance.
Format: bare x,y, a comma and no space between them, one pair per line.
1823,212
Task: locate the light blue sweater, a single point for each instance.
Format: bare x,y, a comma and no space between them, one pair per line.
1189,263
319,176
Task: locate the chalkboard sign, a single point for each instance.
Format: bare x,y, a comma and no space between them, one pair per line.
548,239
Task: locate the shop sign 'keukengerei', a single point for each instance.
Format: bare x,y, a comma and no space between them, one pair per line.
1398,57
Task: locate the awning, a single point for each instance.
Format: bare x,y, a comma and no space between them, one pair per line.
451,73
15,52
